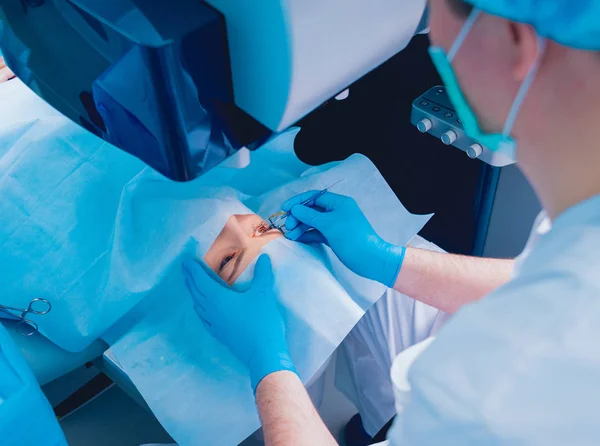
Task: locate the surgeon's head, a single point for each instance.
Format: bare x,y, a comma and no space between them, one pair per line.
237,245
492,62
556,41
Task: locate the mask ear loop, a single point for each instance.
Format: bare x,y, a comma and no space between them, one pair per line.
524,89
464,32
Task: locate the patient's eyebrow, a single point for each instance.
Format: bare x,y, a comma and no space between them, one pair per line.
238,261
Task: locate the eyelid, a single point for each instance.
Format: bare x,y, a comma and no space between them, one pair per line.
238,261
269,231
257,228
233,255
273,231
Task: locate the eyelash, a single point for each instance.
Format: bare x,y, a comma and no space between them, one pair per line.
226,260
262,229
230,257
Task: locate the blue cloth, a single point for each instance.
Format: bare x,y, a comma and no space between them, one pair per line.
574,23
26,417
70,230
522,366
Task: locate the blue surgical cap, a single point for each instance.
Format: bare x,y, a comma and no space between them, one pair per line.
573,23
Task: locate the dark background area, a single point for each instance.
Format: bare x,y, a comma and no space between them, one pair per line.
427,176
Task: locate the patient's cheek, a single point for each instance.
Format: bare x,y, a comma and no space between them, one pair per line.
244,281
5,75
211,262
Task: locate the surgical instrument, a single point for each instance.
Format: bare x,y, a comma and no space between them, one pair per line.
276,221
27,327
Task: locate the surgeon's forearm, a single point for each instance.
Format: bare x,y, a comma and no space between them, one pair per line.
287,413
447,281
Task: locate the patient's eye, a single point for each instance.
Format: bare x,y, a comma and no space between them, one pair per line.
226,261
263,229
259,230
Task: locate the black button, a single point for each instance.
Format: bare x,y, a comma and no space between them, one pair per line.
424,103
436,109
448,115
441,91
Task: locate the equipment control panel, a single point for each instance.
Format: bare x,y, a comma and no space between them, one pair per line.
434,113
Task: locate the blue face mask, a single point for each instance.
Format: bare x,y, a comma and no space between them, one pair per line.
496,142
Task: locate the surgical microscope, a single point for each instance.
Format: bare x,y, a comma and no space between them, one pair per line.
184,87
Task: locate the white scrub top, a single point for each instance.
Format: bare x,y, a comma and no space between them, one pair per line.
522,366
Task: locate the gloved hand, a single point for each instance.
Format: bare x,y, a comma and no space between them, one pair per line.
248,323
337,221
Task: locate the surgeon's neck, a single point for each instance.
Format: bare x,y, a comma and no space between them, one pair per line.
565,181
562,157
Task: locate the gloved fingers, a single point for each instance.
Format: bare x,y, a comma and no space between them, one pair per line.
196,295
263,273
308,216
289,204
200,279
291,223
201,302
199,298
201,313
328,201
312,236
210,328
296,233
305,234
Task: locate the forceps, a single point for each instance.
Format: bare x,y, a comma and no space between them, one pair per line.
27,327
277,221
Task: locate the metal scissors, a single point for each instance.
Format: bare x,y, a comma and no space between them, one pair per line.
277,221
27,327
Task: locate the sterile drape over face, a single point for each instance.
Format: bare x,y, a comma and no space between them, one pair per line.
60,193
71,229
195,387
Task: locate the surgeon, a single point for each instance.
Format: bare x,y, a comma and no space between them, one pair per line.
519,362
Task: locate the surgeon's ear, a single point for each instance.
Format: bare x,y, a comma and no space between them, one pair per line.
525,48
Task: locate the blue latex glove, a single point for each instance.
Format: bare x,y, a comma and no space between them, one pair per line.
337,221
26,417
248,323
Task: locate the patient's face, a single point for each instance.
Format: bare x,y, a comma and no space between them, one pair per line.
5,73
237,245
